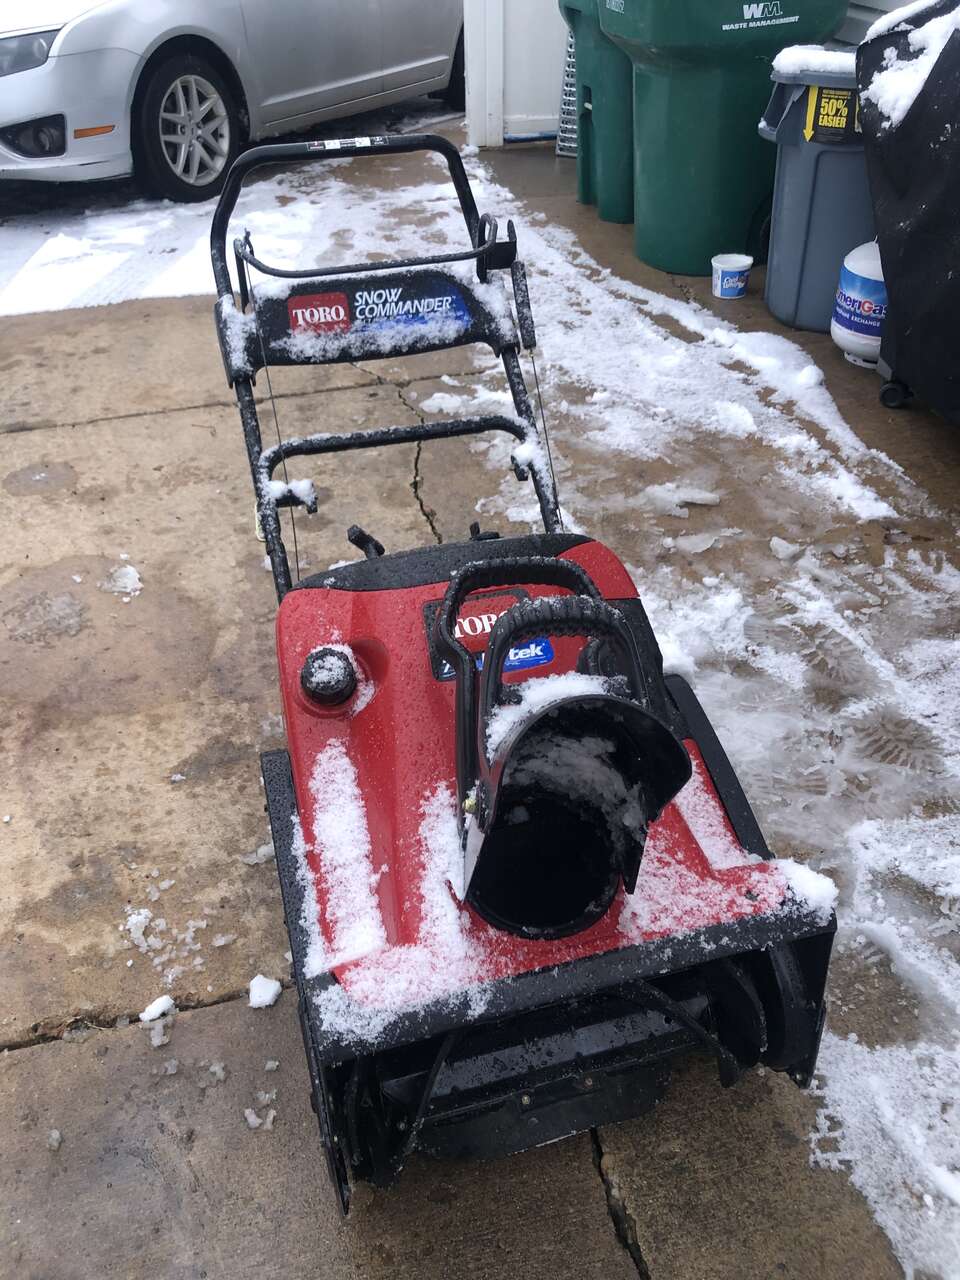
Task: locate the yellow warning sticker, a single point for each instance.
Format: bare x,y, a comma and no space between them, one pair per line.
832,114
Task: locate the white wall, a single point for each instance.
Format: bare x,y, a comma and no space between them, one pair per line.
514,58
860,15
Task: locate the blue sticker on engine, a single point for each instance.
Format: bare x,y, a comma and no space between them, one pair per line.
532,653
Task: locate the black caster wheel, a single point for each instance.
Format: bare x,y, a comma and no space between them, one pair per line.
894,395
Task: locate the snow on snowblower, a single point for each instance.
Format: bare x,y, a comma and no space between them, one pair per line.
518,871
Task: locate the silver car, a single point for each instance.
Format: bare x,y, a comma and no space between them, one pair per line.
171,89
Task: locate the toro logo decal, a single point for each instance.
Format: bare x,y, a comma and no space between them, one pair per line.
319,313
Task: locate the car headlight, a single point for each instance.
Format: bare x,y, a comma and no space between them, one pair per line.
21,53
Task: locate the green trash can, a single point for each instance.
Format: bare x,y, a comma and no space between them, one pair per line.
604,115
702,176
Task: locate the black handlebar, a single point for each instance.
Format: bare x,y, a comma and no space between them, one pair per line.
483,575
578,615
344,148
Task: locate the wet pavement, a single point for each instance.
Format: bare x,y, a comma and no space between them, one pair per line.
135,704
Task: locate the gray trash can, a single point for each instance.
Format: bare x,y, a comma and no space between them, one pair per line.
821,198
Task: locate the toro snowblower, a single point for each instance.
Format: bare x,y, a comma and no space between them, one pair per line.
518,871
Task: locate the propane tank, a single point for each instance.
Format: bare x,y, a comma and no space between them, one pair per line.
860,306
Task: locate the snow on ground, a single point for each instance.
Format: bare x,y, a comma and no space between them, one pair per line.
104,243
816,624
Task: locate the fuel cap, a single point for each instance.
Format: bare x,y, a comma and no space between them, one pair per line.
328,676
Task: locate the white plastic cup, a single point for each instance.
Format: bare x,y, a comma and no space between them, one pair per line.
731,271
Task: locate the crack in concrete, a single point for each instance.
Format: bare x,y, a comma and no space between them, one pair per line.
72,1026
624,1223
416,484
21,427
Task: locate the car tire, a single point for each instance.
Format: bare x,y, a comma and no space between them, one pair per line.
456,92
186,129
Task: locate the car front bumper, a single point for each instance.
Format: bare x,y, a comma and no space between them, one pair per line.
90,90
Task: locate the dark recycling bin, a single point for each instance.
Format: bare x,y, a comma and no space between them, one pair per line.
604,115
821,197
701,77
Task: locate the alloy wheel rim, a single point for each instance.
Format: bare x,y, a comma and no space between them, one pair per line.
194,130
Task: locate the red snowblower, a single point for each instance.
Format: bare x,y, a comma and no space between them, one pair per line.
519,874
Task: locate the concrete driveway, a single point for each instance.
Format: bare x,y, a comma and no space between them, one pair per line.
137,689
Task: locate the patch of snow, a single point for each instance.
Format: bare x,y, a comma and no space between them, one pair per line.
445,958
888,22
303,490
252,1119
890,1121
707,825
318,957
54,1140
157,1008
264,992
341,847
812,889
814,60
271,1064
443,402
898,84
537,694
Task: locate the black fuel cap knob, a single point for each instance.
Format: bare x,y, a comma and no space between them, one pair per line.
328,677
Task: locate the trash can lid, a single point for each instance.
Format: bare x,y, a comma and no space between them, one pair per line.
816,64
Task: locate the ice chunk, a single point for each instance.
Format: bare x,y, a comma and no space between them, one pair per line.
157,1008
252,1119
264,991
271,1064
259,855
784,550
54,1139
693,543
124,580
672,499
158,1034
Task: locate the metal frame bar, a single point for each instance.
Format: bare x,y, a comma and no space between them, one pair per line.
489,253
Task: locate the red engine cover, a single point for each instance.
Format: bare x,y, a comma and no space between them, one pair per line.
381,809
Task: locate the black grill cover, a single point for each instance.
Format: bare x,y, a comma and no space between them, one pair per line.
914,171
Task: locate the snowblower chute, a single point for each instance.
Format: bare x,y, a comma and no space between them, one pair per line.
518,871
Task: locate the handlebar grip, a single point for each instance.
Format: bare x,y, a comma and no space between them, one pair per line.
510,571
565,616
